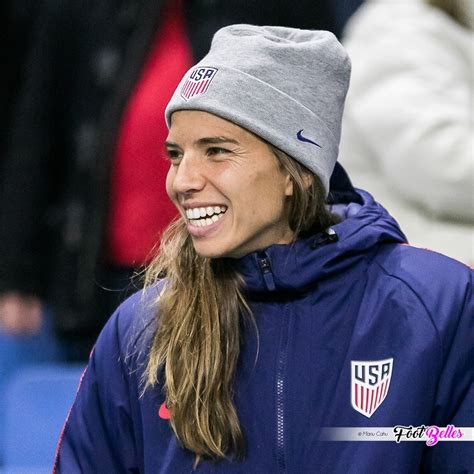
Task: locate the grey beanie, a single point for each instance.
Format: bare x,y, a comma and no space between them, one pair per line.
286,85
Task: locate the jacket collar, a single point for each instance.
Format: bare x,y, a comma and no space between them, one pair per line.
294,268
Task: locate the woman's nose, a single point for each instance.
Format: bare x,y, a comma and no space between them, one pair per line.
188,176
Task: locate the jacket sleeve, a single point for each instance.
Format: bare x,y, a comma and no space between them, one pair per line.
98,435
455,456
455,396
408,112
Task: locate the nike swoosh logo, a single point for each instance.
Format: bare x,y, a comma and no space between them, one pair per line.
164,412
304,139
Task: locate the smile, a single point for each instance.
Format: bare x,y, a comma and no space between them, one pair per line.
205,216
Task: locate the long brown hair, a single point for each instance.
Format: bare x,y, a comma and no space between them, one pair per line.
197,342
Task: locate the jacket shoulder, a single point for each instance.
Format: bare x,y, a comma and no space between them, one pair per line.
441,285
429,285
426,271
130,328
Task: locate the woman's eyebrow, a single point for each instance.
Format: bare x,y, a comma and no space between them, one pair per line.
215,141
205,141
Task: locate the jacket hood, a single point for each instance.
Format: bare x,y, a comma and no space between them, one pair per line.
296,267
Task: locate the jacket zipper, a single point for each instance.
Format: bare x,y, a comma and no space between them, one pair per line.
265,266
280,395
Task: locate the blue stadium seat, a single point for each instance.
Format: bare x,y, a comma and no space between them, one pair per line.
37,401
17,352
26,470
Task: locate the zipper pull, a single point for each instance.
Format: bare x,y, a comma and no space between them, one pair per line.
326,237
264,262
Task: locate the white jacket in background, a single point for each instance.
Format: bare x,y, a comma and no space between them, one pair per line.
407,133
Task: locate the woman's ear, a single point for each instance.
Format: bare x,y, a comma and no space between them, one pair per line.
289,185
307,180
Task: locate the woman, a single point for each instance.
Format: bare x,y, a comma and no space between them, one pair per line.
279,315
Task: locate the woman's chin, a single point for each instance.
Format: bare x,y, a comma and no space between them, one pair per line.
207,250
214,249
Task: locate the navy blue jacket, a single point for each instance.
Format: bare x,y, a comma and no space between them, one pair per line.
361,300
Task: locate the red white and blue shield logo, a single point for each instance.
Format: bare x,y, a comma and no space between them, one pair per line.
370,381
198,82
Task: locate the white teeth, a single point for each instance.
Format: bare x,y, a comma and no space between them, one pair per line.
204,212
207,221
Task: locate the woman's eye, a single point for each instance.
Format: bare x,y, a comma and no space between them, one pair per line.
217,151
174,156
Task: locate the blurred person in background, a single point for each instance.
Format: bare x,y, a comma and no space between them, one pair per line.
17,18
408,126
83,195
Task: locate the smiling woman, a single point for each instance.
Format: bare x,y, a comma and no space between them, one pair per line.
283,301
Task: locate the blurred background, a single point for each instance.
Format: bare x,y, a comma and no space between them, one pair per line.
83,202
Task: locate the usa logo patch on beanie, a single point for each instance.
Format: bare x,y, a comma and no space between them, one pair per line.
198,82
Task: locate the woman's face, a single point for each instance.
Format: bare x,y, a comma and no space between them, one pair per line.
227,184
